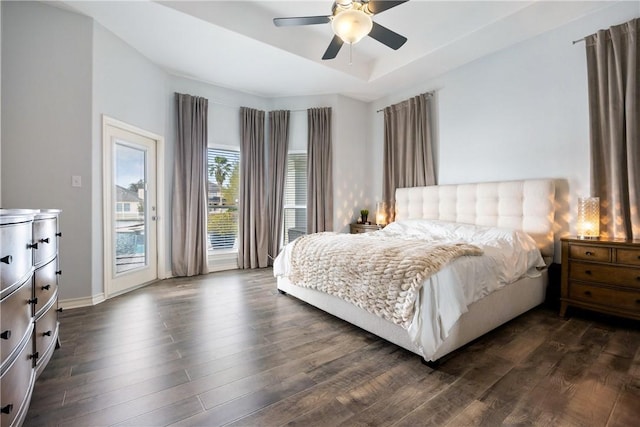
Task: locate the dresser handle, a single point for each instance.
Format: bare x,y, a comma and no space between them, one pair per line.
7,409
7,259
588,253
46,287
32,245
587,293
33,301
46,334
59,234
59,310
6,334
587,272
45,240
34,355
59,272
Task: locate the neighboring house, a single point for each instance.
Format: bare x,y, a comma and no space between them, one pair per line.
214,195
129,204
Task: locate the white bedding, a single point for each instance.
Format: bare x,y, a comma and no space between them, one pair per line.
445,296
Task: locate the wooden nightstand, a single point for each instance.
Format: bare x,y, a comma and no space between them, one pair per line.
364,228
601,275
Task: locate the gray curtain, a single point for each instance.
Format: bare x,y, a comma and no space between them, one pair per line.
613,78
253,241
408,147
319,171
277,169
189,203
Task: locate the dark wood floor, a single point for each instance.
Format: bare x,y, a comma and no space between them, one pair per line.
228,349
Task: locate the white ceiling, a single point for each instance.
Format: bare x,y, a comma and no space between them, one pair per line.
234,44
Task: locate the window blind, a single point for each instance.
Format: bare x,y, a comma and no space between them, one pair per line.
222,199
295,197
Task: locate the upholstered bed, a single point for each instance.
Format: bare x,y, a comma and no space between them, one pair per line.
523,206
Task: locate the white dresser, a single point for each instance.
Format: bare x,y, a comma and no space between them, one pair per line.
29,272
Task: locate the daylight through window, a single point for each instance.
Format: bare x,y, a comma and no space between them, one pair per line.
222,199
295,197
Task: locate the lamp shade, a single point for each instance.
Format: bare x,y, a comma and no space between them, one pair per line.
588,223
351,25
382,213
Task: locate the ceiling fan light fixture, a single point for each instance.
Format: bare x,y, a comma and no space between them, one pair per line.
352,25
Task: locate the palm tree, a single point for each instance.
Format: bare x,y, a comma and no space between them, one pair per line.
220,168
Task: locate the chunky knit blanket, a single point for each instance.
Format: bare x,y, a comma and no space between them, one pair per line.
380,274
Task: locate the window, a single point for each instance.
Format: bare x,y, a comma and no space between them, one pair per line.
222,200
295,197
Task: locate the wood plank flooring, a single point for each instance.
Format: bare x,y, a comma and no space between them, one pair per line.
227,349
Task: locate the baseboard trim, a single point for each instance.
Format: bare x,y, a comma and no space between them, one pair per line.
68,304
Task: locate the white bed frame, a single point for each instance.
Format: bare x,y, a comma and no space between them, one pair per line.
527,205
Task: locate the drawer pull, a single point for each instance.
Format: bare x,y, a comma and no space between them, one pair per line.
59,234
32,245
34,355
587,293
59,310
46,334
588,253
59,272
46,287
33,301
7,409
6,334
587,272
45,240
7,259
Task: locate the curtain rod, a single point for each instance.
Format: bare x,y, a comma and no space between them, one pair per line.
430,93
579,40
222,104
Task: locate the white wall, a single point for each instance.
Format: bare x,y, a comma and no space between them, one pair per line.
0,105
46,132
129,88
519,113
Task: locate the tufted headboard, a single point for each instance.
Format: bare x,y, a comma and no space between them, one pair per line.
526,205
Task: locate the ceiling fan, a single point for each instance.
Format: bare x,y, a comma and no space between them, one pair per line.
351,20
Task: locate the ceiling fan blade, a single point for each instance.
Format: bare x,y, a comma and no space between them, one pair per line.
301,20
333,49
387,37
377,6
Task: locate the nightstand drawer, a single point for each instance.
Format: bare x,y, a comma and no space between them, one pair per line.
364,228
628,256
626,300
590,253
614,275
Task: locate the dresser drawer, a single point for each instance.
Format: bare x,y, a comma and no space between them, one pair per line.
46,332
45,285
628,256
16,385
15,253
615,298
15,315
590,253
44,235
606,274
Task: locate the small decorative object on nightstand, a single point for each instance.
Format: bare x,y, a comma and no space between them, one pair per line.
364,228
601,275
382,213
364,214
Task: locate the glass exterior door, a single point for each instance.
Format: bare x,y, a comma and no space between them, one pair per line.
131,213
